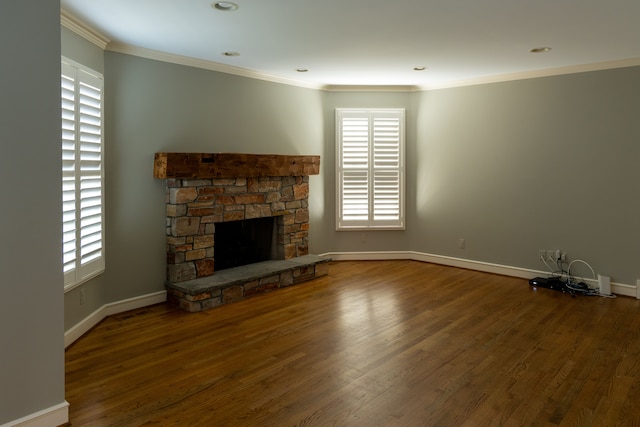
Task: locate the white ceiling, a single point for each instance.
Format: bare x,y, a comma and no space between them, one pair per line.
376,42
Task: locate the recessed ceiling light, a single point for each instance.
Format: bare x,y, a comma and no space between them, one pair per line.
540,50
421,68
225,6
231,53
301,70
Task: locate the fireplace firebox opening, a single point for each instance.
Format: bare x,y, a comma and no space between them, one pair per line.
244,242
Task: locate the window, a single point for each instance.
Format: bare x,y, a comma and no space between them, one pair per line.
82,173
370,169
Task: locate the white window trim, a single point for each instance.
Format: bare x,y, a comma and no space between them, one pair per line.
369,171
82,162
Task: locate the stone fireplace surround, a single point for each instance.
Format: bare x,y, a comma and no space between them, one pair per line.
203,189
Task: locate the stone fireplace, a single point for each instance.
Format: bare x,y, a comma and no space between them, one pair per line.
204,191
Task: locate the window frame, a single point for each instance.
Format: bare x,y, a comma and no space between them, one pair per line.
374,172
82,157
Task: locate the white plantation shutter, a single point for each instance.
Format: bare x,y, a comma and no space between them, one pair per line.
355,168
370,168
386,168
82,174
68,168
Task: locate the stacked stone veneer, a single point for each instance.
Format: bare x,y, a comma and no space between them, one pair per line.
194,206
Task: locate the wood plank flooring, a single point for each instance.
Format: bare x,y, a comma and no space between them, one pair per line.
375,343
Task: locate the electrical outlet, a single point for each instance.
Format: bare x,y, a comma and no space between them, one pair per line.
550,255
82,297
461,243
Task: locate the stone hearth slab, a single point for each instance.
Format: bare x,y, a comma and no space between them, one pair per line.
237,283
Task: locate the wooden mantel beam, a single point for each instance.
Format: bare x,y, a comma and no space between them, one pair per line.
232,165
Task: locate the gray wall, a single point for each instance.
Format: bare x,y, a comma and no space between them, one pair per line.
31,307
323,229
80,50
535,164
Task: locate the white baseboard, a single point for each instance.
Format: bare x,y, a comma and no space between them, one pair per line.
505,270
54,416
624,289
94,318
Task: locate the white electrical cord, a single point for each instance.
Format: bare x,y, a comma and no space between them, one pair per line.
551,270
585,263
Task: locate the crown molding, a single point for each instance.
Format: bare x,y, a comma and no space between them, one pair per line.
205,64
73,24
243,72
371,88
572,69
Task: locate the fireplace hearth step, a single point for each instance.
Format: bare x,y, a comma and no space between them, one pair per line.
238,283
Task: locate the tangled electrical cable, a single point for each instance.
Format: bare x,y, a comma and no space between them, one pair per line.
575,284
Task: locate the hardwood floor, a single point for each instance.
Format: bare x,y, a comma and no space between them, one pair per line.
377,343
